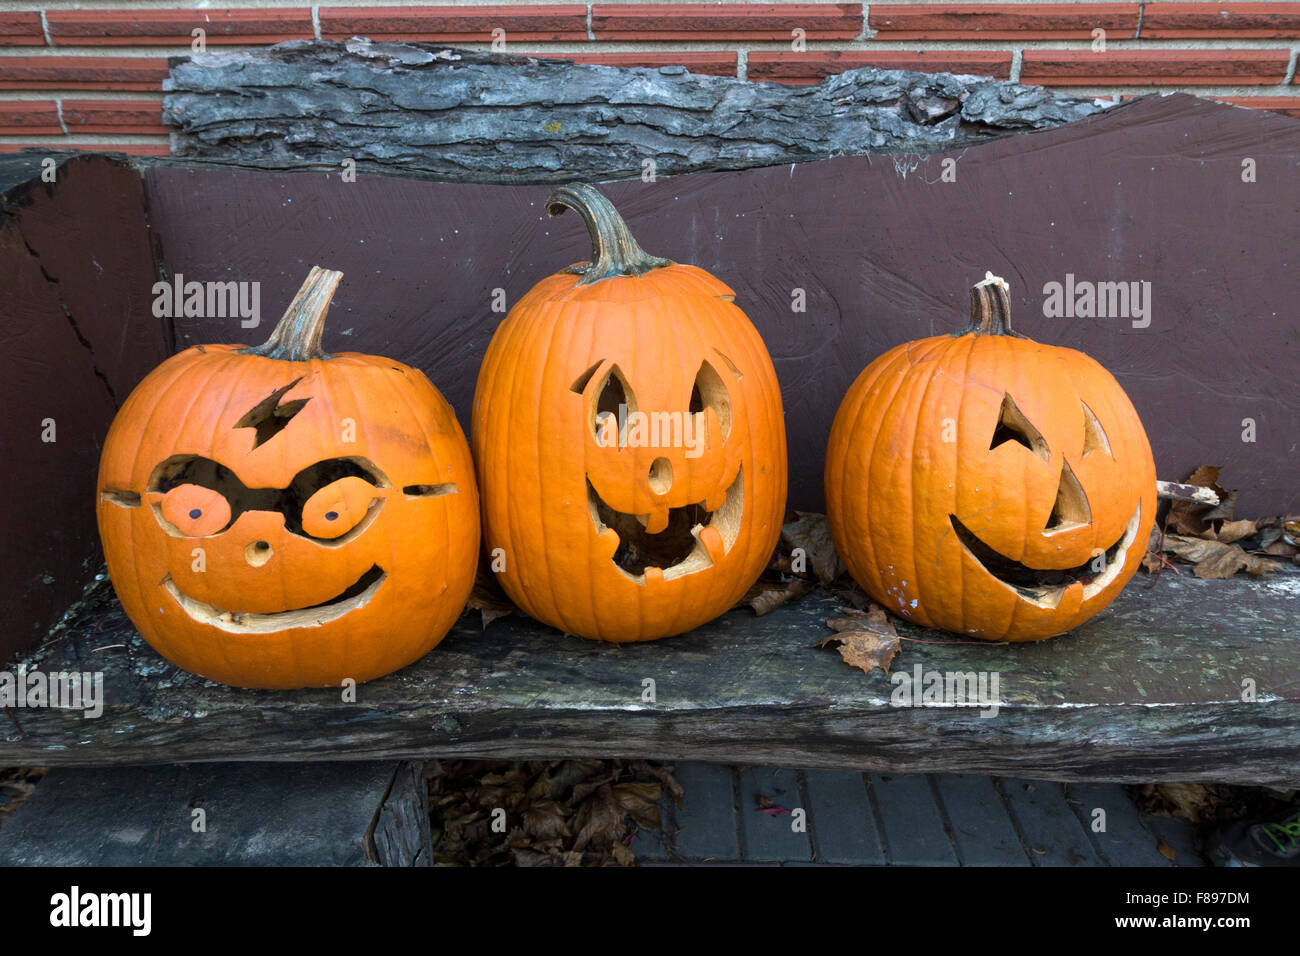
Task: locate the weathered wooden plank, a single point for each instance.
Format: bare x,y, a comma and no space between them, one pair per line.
1149,690
218,814
473,116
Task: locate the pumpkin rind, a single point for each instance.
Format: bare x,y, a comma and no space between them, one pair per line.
536,450
361,407
909,450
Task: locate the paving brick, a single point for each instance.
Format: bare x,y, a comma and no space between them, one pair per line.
1002,21
707,818
981,827
734,21
1154,67
83,73
813,66
914,828
1125,841
843,827
697,61
21,29
1051,829
33,119
113,116
1228,20
173,27
468,24
770,837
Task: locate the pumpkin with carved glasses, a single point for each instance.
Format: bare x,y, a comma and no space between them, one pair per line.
628,433
278,517
986,484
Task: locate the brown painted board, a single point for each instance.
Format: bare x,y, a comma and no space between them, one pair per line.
76,334
884,248
1152,689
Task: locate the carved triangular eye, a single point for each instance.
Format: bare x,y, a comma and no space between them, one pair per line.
614,405
710,392
1071,509
1014,426
1094,436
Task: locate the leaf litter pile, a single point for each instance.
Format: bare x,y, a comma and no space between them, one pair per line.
1215,542
16,785
556,813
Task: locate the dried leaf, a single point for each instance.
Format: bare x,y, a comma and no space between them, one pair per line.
1190,518
640,801
488,599
1151,562
1214,559
871,644
1231,531
546,820
773,598
1166,851
600,820
811,532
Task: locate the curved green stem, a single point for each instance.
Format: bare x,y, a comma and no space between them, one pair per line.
297,336
613,250
990,308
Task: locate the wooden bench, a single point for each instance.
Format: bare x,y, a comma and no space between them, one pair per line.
1155,688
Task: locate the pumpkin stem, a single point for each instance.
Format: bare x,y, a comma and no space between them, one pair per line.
990,308
297,335
613,250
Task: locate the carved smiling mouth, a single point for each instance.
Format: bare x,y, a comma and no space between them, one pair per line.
248,622
1046,587
691,540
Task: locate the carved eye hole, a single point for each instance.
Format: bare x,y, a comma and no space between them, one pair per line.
614,405
1071,509
1094,436
195,511
1014,426
338,507
710,392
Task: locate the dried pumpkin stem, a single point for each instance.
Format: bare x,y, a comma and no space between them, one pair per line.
613,250
297,336
990,308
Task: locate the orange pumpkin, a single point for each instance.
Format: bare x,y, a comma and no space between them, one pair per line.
629,437
279,517
986,484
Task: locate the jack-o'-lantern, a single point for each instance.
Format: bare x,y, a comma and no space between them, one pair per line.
989,485
629,437
278,517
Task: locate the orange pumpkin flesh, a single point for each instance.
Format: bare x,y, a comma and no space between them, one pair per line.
603,531
277,517
987,484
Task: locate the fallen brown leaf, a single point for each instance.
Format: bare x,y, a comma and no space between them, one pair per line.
812,533
1166,851
866,641
773,598
488,599
1214,559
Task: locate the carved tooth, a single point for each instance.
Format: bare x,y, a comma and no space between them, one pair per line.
653,575
655,522
711,538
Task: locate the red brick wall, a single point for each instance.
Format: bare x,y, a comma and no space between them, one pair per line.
89,74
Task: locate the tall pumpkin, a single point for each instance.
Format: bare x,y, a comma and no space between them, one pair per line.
630,444
989,485
278,517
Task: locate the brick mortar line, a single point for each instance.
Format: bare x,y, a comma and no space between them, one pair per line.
315,20
525,47
742,64
257,5
1290,70
591,34
58,106
1017,62
1142,9
45,28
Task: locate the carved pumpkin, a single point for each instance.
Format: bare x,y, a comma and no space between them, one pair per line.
630,443
279,517
986,484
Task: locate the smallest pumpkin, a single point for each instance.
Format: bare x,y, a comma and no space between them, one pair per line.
989,485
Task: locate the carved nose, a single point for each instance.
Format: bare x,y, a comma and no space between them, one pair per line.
661,476
258,553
